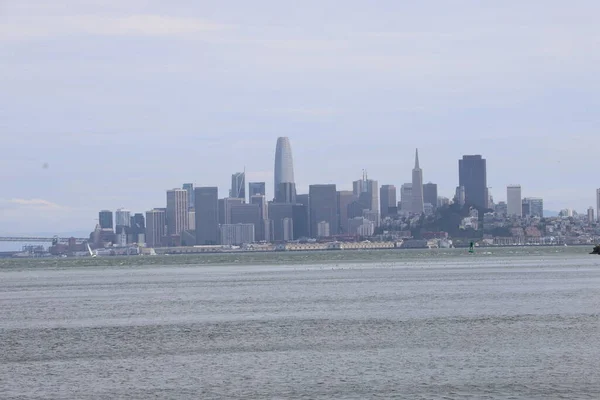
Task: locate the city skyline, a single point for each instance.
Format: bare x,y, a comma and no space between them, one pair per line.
284,142
108,104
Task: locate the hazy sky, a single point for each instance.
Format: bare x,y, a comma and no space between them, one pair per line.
125,99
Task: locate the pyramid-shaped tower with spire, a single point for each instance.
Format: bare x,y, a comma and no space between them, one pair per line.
417,186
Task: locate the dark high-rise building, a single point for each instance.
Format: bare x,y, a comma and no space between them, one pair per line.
207,215
225,209
238,186
105,218
472,175
323,208
387,199
263,232
281,214
344,197
246,214
256,188
430,194
189,188
286,193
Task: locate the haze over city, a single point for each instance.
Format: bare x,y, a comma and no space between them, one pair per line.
108,104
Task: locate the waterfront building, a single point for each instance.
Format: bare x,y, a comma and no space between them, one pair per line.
237,234
177,211
472,175
323,207
513,201
284,165
323,229
207,215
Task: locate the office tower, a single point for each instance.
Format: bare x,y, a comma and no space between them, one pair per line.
191,220
534,207
430,194
155,227
122,217
238,186
590,215
406,197
344,198
237,234
278,212
105,219
598,204
417,186
323,207
513,200
246,214
286,193
472,175
387,199
261,201
284,164
177,211
225,208
207,215
367,191
256,188
525,208
288,229
302,199
262,232
189,187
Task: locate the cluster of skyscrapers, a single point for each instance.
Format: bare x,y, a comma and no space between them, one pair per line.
197,216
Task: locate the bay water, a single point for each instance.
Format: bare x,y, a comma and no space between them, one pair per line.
500,324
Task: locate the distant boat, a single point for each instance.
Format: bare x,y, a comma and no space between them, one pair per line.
92,254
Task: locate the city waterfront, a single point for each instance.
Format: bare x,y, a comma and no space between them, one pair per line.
499,324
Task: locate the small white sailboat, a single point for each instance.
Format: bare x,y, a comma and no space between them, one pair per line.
92,254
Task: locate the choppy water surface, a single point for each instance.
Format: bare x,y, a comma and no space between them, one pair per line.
408,325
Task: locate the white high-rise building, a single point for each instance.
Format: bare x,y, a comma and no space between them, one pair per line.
514,203
177,211
122,217
284,164
417,187
323,229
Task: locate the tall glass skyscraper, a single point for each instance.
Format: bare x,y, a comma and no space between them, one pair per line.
284,165
472,175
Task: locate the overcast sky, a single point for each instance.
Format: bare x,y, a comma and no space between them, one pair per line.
125,99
